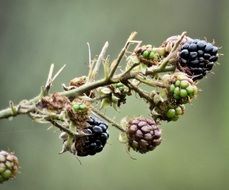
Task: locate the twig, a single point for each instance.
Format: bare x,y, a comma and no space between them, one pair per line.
151,82
99,60
51,78
74,134
116,62
140,92
58,72
113,123
6,113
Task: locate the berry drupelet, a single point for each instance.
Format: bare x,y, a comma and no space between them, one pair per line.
197,57
143,134
96,139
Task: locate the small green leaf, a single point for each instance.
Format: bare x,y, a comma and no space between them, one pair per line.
143,68
134,59
105,103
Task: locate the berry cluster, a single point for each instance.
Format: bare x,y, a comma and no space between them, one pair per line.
95,140
165,77
183,90
197,57
148,55
174,113
8,166
143,134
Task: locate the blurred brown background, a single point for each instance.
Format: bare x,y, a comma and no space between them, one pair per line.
34,33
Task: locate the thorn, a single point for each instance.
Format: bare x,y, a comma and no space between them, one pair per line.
49,75
128,152
89,56
50,127
58,72
79,160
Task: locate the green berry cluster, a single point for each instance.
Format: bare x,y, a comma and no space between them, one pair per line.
79,107
183,89
174,113
150,54
8,166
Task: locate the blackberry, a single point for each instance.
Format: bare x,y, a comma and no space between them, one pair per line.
143,134
183,90
96,139
197,58
8,166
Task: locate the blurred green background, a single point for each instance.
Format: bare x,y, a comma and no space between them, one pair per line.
34,33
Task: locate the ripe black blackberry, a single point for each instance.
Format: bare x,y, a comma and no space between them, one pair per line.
143,135
96,139
197,57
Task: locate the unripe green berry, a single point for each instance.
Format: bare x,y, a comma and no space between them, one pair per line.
183,93
176,96
184,84
2,167
76,107
146,54
190,90
152,55
179,111
177,91
7,174
2,158
9,164
118,85
171,113
82,107
177,83
175,118
195,90
172,88
1,179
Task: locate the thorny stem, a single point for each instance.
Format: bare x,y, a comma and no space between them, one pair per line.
150,83
19,109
